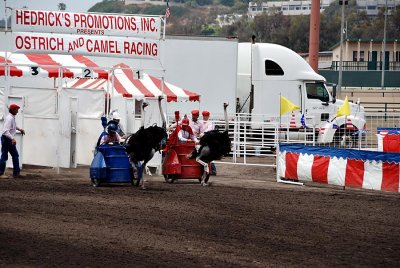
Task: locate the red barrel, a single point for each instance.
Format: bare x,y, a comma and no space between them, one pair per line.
176,162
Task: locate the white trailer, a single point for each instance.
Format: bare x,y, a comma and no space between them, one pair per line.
205,65
268,71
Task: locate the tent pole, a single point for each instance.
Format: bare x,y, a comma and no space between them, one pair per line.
165,26
108,93
7,85
163,95
112,88
60,125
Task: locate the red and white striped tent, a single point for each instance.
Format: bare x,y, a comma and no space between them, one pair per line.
127,84
49,65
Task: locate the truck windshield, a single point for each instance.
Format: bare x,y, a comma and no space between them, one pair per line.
317,91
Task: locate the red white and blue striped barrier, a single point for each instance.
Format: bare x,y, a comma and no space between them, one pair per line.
342,167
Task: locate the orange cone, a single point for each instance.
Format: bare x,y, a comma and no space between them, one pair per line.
293,121
349,125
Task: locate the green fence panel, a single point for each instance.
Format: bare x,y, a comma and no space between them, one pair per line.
362,78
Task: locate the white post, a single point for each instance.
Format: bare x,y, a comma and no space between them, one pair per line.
111,95
60,123
341,52
162,91
384,50
5,15
7,83
165,25
278,178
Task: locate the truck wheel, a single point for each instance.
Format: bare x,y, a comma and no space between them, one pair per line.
169,178
345,139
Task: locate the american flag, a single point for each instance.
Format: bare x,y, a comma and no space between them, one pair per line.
167,11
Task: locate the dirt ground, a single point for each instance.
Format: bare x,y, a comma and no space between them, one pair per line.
244,219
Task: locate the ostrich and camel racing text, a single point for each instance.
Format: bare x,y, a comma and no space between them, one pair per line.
38,31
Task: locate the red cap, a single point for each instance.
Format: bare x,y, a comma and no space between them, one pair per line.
13,106
205,112
195,112
176,113
185,122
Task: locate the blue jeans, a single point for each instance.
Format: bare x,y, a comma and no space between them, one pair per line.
8,147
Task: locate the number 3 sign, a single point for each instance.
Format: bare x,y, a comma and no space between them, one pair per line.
35,70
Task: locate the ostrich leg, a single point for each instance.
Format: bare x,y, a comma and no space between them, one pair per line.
205,175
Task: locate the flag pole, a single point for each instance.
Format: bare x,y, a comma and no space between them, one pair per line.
280,117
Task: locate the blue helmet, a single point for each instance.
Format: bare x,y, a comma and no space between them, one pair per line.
112,128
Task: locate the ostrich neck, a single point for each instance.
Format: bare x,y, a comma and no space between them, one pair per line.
226,119
142,116
164,121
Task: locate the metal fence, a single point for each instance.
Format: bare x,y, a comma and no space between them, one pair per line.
365,65
254,141
254,138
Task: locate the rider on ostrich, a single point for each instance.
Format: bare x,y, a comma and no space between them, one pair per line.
142,145
213,146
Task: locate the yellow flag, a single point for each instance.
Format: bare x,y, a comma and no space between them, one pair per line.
287,106
344,109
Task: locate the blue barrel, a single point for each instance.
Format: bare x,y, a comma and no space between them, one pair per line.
117,166
98,168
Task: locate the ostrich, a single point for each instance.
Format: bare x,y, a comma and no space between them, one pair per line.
142,145
213,146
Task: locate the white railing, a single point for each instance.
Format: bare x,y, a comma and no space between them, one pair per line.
254,137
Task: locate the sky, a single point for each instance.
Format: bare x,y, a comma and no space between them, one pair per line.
72,5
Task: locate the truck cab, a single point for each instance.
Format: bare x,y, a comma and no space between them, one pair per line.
268,71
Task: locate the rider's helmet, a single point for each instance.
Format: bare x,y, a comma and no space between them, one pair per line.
185,122
115,115
112,128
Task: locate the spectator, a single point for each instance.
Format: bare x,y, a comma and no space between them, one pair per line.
9,143
208,126
195,123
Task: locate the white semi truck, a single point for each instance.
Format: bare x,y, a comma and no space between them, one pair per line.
268,71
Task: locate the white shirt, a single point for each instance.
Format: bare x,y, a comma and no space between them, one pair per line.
196,127
207,126
10,126
184,136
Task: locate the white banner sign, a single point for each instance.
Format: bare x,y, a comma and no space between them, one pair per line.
85,23
86,45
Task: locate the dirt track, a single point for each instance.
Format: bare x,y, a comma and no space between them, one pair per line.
244,219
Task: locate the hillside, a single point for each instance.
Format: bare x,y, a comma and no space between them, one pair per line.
199,18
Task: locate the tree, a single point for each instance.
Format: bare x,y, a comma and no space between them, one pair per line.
227,2
298,33
62,6
272,27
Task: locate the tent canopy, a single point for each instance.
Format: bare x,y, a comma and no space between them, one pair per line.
139,85
49,65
